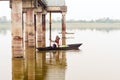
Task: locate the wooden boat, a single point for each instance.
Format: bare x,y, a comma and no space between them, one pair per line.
67,47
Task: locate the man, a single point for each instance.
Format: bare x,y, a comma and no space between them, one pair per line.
57,39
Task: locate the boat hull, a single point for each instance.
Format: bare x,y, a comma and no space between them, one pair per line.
68,47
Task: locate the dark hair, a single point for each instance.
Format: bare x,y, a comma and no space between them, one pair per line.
54,46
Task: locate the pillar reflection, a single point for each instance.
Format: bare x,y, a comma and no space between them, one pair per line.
30,63
55,65
39,65
18,69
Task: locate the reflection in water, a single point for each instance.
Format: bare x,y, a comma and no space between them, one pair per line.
55,65
30,63
18,69
98,60
39,66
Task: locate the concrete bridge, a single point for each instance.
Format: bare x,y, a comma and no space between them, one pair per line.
30,16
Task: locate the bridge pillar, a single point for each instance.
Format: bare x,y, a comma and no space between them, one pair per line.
17,32
25,27
63,28
30,26
39,29
44,29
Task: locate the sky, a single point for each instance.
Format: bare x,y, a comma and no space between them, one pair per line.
93,9
81,9
4,9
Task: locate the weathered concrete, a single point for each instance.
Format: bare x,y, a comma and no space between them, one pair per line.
50,36
44,29
25,27
28,3
63,28
17,33
57,8
30,27
29,17
39,29
63,21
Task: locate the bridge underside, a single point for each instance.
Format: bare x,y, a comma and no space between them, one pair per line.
29,22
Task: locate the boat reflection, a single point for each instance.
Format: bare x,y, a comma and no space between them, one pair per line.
39,66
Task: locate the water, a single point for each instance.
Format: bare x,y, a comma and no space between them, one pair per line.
97,59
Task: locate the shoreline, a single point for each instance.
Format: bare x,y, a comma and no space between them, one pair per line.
73,25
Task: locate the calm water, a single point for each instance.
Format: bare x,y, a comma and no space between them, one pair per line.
97,59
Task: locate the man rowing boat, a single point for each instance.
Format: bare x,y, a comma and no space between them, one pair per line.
57,39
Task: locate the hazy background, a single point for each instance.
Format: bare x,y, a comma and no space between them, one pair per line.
81,9
99,56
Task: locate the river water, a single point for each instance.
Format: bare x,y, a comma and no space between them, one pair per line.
97,59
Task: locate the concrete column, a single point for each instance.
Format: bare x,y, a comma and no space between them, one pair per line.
25,27
39,29
44,30
17,33
30,27
63,22
63,28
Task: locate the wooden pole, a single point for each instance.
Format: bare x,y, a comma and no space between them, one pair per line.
50,27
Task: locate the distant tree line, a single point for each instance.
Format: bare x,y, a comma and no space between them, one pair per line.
3,19
101,20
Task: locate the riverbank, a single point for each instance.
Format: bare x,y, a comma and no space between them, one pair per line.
97,26
73,25
5,26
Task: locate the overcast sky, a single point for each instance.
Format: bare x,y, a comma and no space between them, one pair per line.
4,9
81,9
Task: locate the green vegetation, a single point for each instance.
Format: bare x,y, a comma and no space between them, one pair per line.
77,25
4,23
99,24
74,25
101,20
5,26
